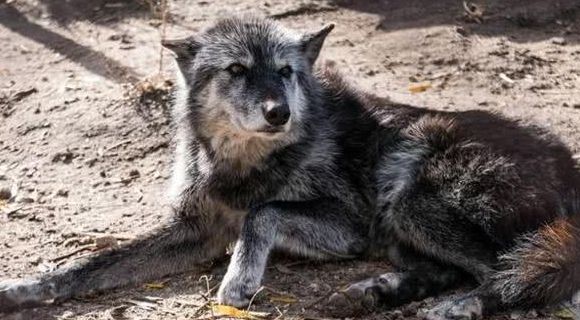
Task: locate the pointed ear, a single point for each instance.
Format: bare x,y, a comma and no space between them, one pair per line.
184,49
312,42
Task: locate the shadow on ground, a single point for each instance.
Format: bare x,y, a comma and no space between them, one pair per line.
94,61
100,11
520,20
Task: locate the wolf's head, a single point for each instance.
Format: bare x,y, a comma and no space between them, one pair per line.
249,75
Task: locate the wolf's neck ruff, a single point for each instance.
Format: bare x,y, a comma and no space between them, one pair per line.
239,150
236,150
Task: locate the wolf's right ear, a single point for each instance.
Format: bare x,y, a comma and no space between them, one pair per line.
184,49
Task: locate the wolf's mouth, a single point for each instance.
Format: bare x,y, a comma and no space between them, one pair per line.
271,130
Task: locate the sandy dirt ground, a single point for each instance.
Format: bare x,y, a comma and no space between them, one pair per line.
85,138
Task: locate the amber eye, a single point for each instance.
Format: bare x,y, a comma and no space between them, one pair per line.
236,69
285,72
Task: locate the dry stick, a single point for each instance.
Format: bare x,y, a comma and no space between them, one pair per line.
280,314
253,297
292,264
201,308
70,254
208,293
120,144
277,292
164,6
118,236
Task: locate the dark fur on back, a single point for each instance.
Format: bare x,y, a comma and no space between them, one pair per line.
444,195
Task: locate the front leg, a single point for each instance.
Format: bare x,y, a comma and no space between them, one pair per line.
321,229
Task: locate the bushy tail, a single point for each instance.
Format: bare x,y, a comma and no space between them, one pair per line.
544,267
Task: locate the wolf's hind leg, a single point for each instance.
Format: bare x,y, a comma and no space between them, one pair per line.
173,249
322,229
541,269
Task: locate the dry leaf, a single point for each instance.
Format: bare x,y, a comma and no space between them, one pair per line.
565,313
155,285
236,313
419,87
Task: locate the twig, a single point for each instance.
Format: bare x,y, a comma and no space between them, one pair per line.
164,6
145,305
292,264
118,145
70,254
307,317
82,256
253,297
276,292
280,314
187,303
208,293
11,213
202,307
118,236
304,9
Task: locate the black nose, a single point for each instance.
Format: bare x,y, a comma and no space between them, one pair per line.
276,114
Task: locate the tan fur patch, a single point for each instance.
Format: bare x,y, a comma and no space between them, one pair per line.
543,267
242,150
553,249
558,239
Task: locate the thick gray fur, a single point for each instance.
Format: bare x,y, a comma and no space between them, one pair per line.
446,196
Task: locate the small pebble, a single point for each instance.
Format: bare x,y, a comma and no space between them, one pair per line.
5,193
134,173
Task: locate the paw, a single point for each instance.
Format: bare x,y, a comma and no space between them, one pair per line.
236,293
468,308
16,294
363,297
359,298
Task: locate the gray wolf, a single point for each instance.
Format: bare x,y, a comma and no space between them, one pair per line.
276,155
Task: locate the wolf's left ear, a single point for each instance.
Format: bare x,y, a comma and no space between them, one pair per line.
312,42
184,49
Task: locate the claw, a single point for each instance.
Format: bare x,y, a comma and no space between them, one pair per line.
234,294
